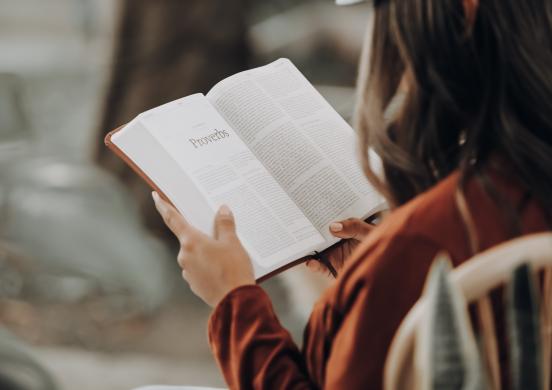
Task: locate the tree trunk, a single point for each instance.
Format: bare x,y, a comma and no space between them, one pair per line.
167,49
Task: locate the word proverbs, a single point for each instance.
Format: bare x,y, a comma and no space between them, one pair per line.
211,138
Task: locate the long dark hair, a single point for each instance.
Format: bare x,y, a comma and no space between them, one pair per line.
476,89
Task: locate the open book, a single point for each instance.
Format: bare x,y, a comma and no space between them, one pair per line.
265,143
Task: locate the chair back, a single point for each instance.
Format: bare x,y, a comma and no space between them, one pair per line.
476,278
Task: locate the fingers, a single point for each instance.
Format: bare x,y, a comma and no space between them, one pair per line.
351,228
316,266
224,227
173,219
182,258
189,247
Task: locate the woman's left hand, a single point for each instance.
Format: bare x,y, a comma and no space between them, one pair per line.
212,266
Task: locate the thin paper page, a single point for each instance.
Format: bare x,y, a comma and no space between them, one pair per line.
139,145
301,140
225,171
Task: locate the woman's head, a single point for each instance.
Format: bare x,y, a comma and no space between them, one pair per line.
478,82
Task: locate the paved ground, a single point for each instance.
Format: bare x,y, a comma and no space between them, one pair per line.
169,349
83,370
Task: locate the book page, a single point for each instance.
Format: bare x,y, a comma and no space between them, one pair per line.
223,169
140,146
302,141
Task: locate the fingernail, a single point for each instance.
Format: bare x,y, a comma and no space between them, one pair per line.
336,227
155,196
158,202
225,211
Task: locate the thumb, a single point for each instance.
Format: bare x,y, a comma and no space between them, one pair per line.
351,228
225,228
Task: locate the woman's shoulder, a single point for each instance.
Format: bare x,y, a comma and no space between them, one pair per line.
431,217
400,250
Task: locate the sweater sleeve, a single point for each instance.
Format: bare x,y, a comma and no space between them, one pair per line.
371,307
348,334
250,345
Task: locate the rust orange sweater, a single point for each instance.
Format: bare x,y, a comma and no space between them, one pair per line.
351,327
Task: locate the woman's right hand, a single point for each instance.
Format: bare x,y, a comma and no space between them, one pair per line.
352,231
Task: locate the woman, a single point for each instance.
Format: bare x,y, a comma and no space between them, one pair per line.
468,164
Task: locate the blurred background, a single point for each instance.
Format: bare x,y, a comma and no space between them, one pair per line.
90,293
